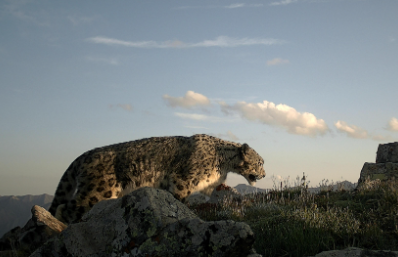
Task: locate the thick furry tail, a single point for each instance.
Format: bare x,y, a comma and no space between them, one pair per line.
65,190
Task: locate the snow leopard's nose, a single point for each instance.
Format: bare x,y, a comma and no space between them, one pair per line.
261,176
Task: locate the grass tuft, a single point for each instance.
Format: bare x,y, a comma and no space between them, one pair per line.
290,221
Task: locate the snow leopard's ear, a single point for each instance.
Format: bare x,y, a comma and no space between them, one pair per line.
244,150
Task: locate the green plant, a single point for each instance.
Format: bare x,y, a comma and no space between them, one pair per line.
290,221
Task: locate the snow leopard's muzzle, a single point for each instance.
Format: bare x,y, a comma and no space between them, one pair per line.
253,177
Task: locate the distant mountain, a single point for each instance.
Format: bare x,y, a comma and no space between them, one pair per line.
246,189
15,210
346,185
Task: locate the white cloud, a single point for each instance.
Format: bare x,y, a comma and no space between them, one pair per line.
277,61
231,6
279,115
393,124
283,2
102,60
228,136
201,117
221,41
21,11
192,116
190,99
235,6
351,130
126,107
231,136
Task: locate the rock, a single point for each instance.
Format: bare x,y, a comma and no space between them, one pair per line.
224,192
197,198
385,168
387,153
15,210
356,252
41,227
149,222
377,171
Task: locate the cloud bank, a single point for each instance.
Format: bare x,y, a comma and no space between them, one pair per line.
360,133
393,124
228,136
201,117
351,130
191,99
221,41
277,61
240,5
283,2
280,115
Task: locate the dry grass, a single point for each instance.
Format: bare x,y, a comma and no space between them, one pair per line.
293,222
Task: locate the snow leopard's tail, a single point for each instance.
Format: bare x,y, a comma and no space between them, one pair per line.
65,190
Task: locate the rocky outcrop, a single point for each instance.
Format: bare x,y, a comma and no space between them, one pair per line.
196,199
387,153
15,210
41,227
356,252
149,222
385,168
225,193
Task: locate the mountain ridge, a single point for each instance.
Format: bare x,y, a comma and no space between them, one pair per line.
15,210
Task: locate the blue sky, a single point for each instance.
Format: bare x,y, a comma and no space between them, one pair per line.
311,85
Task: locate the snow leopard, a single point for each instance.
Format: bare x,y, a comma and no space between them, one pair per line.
178,164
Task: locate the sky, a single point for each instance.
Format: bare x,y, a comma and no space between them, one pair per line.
311,85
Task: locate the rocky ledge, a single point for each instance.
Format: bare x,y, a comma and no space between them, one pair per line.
147,222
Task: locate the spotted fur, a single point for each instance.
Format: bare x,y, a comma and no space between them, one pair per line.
181,165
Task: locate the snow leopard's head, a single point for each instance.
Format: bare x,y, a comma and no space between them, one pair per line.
250,164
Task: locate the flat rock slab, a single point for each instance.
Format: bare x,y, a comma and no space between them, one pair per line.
387,153
356,252
149,222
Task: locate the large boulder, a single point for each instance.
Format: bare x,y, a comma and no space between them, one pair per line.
378,171
149,222
225,193
196,199
387,153
385,168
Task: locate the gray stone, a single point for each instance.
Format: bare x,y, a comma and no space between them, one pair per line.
40,228
356,252
378,171
387,153
149,222
196,199
225,193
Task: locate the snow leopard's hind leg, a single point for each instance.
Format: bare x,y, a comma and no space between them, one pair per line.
65,190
